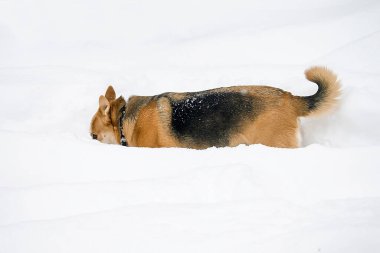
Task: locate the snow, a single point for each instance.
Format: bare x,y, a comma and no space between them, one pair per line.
60,191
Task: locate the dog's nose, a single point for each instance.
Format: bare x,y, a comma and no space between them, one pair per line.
94,136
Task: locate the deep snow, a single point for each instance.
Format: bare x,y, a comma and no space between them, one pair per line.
60,191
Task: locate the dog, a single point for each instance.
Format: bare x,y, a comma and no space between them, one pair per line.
220,117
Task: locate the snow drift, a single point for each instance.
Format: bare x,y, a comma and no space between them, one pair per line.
60,191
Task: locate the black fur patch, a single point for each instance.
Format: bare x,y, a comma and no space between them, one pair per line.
315,100
209,118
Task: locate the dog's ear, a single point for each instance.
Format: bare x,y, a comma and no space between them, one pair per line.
110,94
104,104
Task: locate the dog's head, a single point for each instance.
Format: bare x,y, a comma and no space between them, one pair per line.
104,124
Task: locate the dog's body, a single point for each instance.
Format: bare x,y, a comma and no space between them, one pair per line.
218,117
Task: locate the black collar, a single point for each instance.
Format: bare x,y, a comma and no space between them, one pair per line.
123,140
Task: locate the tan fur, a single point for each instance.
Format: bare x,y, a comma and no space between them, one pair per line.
275,124
326,79
276,127
329,79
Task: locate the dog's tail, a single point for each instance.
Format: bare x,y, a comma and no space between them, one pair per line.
326,97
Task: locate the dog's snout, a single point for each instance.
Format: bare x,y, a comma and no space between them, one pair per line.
94,136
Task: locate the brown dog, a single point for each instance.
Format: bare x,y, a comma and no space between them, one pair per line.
219,117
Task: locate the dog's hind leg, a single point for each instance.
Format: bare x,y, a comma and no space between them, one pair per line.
275,130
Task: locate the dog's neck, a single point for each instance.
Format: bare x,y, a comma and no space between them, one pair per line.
124,115
118,115
123,140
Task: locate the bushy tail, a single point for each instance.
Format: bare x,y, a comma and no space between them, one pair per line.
326,97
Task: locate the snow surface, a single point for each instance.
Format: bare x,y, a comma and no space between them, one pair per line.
60,191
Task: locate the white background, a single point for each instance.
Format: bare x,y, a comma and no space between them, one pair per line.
60,191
